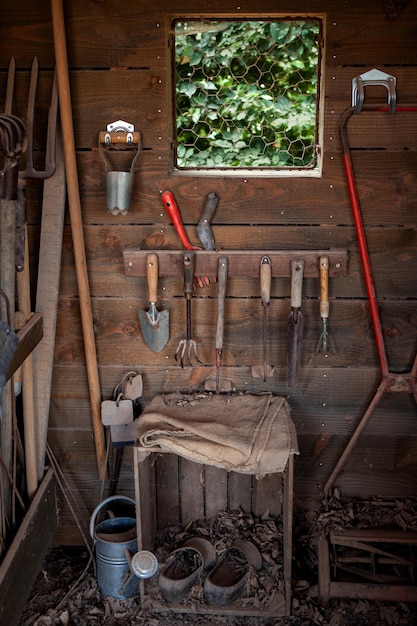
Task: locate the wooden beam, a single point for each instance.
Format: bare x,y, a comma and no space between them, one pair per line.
29,336
24,558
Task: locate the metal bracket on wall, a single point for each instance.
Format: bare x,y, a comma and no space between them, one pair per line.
373,77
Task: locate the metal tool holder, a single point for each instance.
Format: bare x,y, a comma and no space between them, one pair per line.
119,147
373,77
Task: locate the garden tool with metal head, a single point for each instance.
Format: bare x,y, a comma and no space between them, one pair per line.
221,295
187,346
30,170
325,340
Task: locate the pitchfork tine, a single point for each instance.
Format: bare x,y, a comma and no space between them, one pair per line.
10,87
30,171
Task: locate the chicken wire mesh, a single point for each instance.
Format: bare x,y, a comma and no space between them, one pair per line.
247,93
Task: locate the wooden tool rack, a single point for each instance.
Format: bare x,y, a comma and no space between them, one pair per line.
241,262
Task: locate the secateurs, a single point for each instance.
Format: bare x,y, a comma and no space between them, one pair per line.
187,346
203,228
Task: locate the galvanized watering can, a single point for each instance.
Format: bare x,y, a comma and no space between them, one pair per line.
115,540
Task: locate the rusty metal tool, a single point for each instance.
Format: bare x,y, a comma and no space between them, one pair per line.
265,277
171,208
204,230
187,346
295,322
154,323
30,171
389,381
221,295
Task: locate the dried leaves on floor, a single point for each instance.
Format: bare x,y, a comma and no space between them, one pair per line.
66,589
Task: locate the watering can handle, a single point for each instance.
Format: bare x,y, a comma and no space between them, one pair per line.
100,506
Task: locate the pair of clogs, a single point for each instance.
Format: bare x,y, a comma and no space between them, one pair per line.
226,578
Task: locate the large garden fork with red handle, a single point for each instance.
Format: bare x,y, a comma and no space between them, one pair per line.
171,208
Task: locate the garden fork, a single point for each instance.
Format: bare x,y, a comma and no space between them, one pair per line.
187,346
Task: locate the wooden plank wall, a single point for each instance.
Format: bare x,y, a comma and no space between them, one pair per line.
119,69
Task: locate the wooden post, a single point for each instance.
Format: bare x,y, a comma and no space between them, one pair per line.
77,229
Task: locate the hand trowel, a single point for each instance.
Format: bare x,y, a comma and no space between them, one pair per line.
154,323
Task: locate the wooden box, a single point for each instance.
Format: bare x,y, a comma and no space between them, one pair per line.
171,490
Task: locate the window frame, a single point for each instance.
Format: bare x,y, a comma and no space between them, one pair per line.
252,172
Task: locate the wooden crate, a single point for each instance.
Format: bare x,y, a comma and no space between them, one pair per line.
161,500
368,563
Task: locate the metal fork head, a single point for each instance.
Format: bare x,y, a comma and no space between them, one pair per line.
186,348
325,342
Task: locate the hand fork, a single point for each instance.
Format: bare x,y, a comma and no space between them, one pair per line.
171,208
325,340
187,346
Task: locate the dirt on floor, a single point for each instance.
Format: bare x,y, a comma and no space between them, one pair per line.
66,590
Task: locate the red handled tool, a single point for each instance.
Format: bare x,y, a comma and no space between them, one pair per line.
171,208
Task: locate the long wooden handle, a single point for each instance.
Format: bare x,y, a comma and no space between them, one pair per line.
297,272
221,295
324,286
152,272
23,297
77,229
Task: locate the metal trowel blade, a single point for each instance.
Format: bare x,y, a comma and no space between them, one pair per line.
155,328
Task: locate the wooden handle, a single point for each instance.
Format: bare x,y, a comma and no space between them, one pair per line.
266,275
324,286
152,272
221,295
189,270
204,230
23,296
77,230
297,272
119,138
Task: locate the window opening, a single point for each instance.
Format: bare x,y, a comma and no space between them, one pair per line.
247,94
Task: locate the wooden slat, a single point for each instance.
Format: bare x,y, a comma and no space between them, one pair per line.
94,34
145,500
386,180
167,490
215,490
23,559
29,336
191,490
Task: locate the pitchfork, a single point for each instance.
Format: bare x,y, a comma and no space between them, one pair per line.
30,171
187,346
